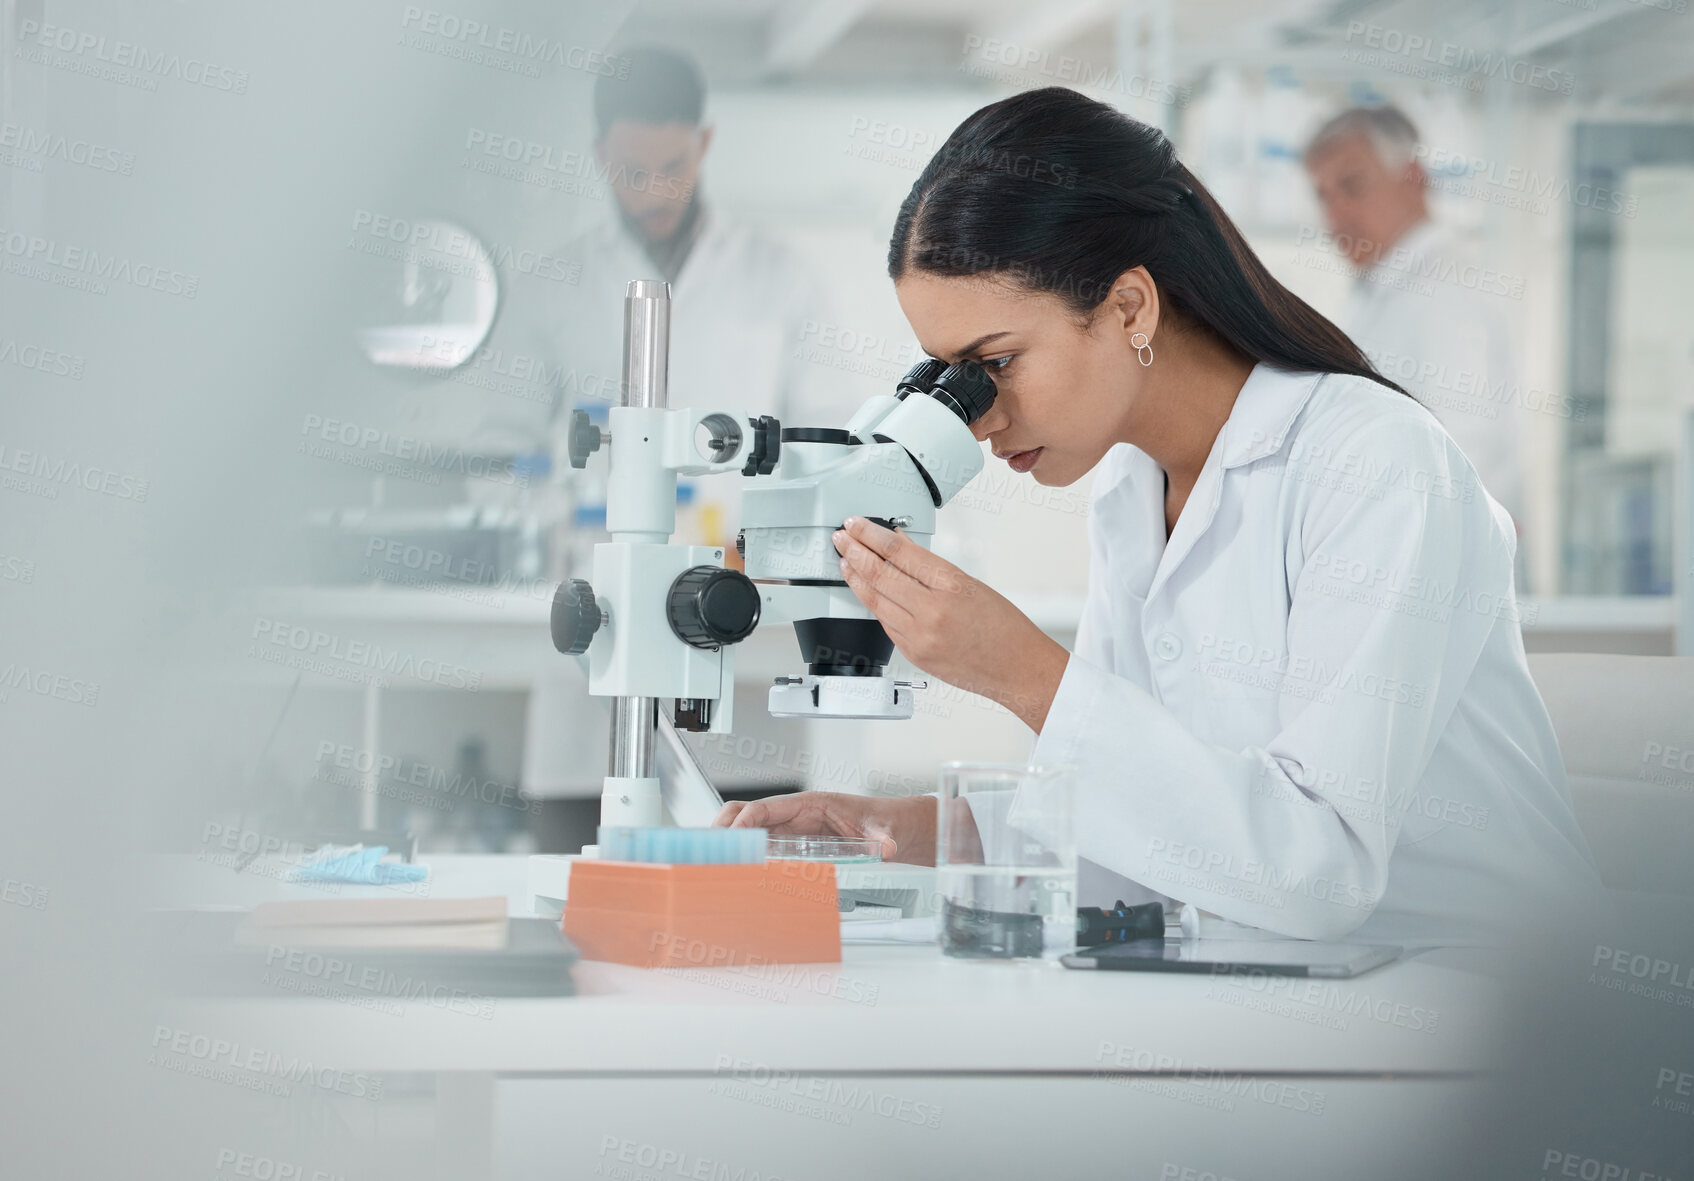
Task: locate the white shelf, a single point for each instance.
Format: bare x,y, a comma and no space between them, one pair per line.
503,634
1598,613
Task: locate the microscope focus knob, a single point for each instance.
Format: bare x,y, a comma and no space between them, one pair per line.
710,606
585,438
576,617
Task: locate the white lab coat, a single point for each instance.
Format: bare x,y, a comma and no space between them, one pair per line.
1309,710
1433,322
741,309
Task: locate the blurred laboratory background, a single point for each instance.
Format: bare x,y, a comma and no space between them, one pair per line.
370,260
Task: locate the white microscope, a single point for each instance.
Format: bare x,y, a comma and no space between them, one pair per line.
659,622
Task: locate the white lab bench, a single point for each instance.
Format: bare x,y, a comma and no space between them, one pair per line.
503,634
898,1061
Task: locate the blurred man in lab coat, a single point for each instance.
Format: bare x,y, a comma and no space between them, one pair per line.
1428,319
742,303
742,309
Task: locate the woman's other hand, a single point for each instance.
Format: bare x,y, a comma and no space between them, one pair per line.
906,827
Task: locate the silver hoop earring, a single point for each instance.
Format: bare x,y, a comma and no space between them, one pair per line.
1143,348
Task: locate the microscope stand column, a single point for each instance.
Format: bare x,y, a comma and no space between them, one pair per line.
631,793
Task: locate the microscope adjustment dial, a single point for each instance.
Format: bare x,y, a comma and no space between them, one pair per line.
576,616
710,606
585,438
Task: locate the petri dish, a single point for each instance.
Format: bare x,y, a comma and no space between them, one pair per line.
839,849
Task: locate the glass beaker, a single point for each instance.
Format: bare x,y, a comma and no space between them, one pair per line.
1005,860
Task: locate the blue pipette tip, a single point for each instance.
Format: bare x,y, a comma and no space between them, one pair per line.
683,846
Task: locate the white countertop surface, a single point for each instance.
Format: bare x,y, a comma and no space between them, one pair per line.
883,1009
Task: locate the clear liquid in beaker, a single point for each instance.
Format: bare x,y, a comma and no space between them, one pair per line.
1006,911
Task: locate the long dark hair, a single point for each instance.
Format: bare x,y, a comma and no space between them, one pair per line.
1062,194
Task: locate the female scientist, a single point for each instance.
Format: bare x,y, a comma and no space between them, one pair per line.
1299,698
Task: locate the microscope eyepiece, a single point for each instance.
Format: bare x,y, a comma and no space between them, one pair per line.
966,390
921,378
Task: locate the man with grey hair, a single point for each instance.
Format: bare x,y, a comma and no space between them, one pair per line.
1427,318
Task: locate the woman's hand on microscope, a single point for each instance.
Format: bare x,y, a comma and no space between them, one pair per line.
949,624
906,827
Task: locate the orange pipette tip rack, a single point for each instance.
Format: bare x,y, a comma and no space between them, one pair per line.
704,916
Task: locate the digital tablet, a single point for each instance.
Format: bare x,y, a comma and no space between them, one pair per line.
1275,957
